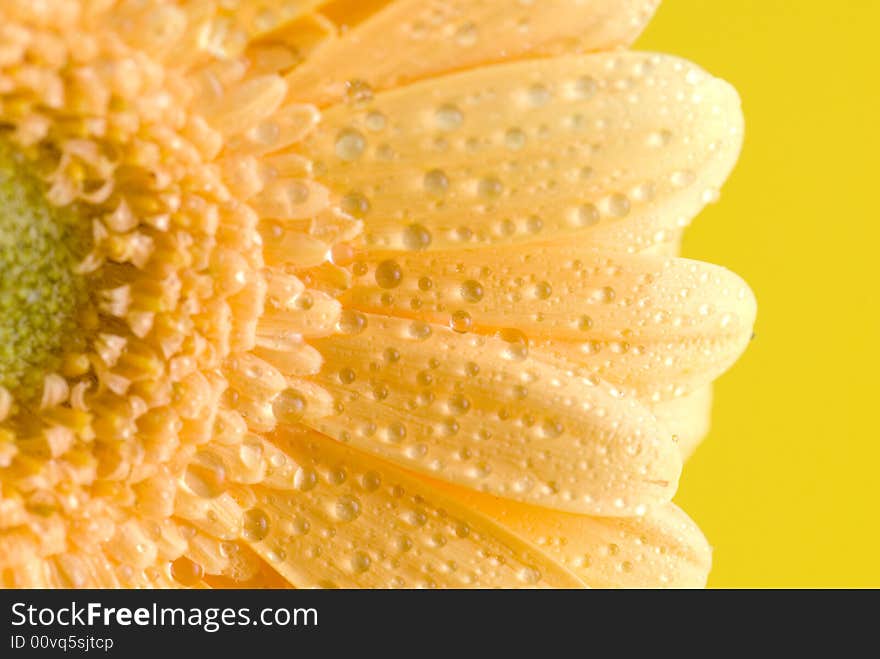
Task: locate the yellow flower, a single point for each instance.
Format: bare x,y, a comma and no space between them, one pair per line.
371,293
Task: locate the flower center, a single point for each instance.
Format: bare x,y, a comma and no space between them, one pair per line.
39,289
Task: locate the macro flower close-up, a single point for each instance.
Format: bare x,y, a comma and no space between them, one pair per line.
355,293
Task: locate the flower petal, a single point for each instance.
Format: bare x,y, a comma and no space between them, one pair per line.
657,325
355,521
485,412
688,418
620,150
664,548
215,28
408,40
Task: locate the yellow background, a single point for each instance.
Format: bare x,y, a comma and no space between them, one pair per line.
787,486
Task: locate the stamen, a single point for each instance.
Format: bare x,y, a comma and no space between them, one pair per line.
40,246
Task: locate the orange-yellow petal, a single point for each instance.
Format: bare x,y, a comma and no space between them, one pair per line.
486,412
335,517
618,151
687,417
385,44
655,325
662,549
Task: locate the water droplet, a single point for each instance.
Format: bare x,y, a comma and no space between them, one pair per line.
543,290
436,182
358,91
585,87
585,323
459,405
360,562
206,476
347,376
551,428
538,95
350,144
347,508
351,322
419,330
388,274
416,237
375,121
644,192
305,479
251,452
355,204
516,346
466,35
460,321
255,525
587,215
605,294
515,139
534,224
396,432
186,572
659,138
300,526
289,406
529,575
415,517
336,476
617,205
490,188
371,481
683,178
448,118
471,291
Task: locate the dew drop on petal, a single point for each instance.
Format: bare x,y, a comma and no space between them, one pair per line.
416,237
360,562
419,330
255,525
448,117
436,182
472,291
350,144
388,274
186,572
516,345
289,406
206,476
460,321
587,215
351,322
347,508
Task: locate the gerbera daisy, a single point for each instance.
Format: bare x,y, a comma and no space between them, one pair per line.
374,293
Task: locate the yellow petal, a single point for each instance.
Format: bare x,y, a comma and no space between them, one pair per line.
413,39
688,418
655,325
84,570
617,150
215,28
355,521
664,548
485,412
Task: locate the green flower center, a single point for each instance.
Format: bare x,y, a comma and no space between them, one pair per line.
40,292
